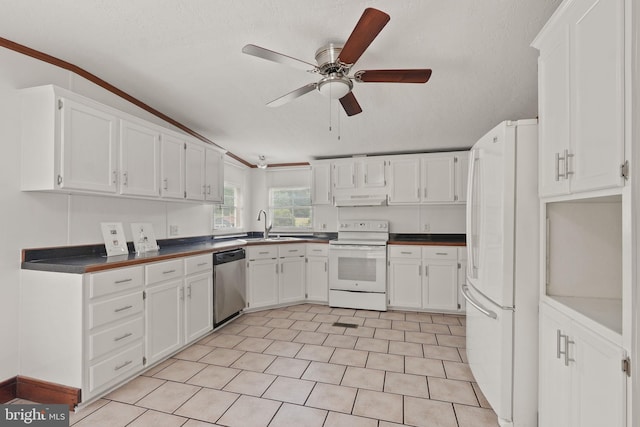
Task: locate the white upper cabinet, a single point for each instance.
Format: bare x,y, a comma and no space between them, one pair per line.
438,178
172,166
213,175
75,145
581,102
139,159
428,178
67,144
344,175
404,180
371,173
321,183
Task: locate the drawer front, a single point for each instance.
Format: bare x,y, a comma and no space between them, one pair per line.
440,252
114,309
413,252
262,252
116,337
161,271
120,365
317,249
198,264
291,250
116,280
462,253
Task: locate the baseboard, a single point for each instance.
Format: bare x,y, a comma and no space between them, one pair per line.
8,389
46,392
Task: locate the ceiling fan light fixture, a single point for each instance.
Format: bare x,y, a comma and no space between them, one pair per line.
335,86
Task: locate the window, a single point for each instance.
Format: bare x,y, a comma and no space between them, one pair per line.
228,215
290,208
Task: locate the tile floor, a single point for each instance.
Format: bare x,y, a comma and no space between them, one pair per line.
292,367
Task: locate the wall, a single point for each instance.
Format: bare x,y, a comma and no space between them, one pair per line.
40,219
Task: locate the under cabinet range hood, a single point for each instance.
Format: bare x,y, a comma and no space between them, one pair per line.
361,200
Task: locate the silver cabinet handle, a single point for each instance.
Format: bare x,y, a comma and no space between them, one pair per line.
325,267
441,253
293,250
202,264
126,307
476,304
169,271
419,270
406,252
208,189
263,253
567,172
128,334
276,268
182,293
166,183
557,167
125,178
114,177
118,282
127,363
558,341
564,352
189,291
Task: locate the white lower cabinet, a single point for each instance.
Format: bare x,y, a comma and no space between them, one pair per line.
423,277
163,320
276,274
198,305
582,383
317,272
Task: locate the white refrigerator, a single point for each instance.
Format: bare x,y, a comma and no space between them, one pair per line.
502,287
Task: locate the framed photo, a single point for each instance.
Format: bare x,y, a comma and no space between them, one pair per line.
114,240
144,240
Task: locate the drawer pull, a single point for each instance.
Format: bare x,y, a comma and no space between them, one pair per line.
117,282
292,250
202,264
118,310
316,250
263,253
127,363
169,271
442,253
127,335
406,252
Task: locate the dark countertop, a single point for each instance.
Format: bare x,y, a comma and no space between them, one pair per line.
92,258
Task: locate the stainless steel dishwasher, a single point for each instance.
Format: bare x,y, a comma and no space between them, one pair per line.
229,289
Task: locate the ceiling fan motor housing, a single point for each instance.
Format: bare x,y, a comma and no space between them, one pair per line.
327,60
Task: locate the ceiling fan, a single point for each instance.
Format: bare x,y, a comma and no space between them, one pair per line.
335,61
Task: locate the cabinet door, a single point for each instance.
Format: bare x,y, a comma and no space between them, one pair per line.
291,280
440,290
172,162
344,175
214,175
139,159
163,321
373,173
405,283
404,181
461,161
317,279
198,305
263,282
553,105
555,378
89,148
598,85
599,385
438,178
321,184
194,172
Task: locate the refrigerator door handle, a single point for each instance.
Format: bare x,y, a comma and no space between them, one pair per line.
476,304
471,218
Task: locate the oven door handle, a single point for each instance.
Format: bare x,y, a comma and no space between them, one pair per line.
356,248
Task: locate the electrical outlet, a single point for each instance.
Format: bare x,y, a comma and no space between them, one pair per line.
323,226
173,230
427,227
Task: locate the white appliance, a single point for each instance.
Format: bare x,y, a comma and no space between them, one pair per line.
358,265
502,270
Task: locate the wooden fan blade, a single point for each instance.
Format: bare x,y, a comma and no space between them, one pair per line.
368,27
280,58
292,95
393,76
350,104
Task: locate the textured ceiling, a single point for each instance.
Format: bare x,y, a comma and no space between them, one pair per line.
183,58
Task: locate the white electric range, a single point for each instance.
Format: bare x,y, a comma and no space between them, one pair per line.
358,265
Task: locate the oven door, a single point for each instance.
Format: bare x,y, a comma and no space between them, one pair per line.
358,268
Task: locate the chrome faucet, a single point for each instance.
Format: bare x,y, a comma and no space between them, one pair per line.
267,229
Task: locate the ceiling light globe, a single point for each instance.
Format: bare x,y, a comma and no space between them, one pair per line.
335,86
